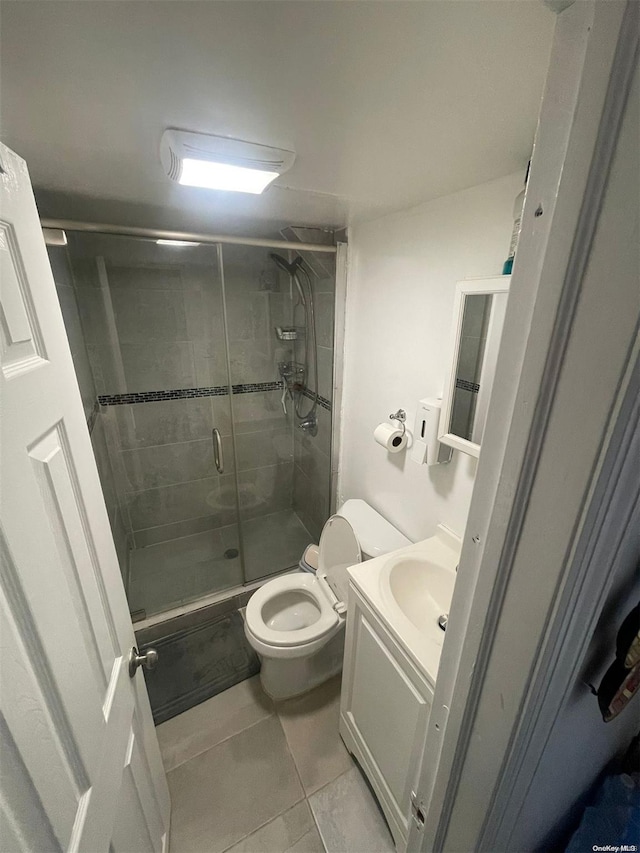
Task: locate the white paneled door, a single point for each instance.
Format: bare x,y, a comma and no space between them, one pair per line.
80,763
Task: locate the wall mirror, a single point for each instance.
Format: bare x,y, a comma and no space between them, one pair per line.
478,317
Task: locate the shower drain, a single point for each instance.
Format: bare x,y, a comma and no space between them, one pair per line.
231,553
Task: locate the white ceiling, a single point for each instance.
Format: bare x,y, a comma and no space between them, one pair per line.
387,104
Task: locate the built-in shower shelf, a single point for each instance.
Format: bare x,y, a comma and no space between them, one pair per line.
289,333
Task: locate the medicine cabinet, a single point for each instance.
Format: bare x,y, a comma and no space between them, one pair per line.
478,317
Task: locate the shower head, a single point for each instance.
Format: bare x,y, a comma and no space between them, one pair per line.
290,268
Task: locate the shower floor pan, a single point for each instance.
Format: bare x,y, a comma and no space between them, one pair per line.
179,571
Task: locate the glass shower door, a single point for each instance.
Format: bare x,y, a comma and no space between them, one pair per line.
153,324
209,479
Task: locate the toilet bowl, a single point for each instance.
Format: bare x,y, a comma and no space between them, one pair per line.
296,622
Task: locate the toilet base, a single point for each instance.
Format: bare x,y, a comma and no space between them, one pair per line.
284,678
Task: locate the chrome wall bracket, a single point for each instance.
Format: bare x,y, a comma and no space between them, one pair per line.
401,417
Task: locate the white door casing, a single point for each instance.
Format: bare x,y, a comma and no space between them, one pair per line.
81,768
505,604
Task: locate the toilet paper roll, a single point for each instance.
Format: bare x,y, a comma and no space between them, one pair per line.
391,438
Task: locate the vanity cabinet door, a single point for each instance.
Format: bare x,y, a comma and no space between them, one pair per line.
384,713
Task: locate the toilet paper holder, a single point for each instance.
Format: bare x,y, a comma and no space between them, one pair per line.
401,417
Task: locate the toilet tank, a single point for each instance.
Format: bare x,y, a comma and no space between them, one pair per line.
375,534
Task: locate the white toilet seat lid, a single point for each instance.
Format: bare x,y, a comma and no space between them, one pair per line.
339,545
298,582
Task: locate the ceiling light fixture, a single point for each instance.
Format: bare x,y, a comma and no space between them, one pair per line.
218,163
176,243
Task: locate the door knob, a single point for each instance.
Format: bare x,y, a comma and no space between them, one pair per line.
148,660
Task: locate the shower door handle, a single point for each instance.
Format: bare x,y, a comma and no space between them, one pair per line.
217,450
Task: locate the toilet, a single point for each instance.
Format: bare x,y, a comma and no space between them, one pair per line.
296,622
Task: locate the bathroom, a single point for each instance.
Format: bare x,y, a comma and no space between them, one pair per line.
285,393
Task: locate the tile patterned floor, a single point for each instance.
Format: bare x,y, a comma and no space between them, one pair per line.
248,776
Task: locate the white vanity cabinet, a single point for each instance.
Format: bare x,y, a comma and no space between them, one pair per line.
384,712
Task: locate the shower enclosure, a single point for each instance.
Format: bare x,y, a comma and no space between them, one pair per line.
197,367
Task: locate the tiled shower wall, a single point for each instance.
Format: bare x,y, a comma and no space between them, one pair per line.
258,298
155,323
312,468
143,319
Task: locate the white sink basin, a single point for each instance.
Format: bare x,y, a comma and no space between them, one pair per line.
422,589
409,590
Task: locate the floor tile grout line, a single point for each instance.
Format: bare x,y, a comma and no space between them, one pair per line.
313,814
316,824
290,751
293,756
313,793
277,710
295,766
267,822
361,772
224,740
339,776
306,795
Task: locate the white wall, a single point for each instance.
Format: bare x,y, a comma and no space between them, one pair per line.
402,274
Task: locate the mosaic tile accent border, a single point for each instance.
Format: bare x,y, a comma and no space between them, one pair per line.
190,393
467,386
250,387
185,393
322,401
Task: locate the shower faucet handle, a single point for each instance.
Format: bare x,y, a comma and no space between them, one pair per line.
309,424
